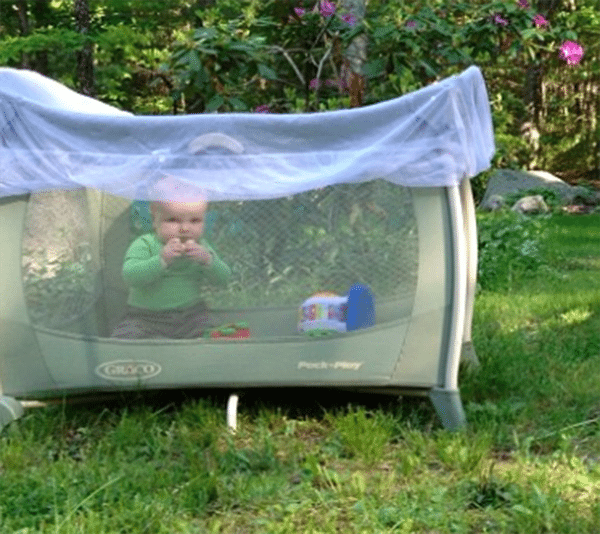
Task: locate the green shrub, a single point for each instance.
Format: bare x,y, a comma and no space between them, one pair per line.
511,248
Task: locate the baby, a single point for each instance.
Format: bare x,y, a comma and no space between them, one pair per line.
164,271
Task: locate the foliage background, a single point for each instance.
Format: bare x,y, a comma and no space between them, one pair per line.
184,56
530,461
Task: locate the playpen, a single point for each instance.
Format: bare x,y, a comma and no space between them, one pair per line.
301,206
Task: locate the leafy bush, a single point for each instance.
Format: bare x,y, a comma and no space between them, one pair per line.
62,291
294,55
511,249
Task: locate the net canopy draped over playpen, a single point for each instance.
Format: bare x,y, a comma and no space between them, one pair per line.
301,206
53,138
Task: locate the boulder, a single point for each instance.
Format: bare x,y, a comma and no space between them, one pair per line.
503,182
495,203
530,205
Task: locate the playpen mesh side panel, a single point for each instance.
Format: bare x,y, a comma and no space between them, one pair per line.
281,251
59,260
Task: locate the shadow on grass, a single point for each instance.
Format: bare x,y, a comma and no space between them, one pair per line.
292,402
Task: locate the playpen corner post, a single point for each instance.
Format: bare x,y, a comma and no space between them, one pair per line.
446,398
10,410
468,354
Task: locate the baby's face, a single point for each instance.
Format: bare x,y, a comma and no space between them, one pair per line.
179,219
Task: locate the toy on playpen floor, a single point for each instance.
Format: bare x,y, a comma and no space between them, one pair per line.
237,330
325,313
322,314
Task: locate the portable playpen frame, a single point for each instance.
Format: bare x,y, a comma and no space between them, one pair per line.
456,210
445,397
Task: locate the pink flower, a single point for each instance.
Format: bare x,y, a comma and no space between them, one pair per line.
335,82
499,20
263,108
349,18
299,11
327,9
314,84
523,3
540,20
571,52
411,24
340,83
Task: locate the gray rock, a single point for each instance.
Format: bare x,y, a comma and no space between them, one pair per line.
493,203
504,182
531,204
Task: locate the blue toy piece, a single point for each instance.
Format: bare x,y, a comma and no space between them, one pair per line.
326,312
361,308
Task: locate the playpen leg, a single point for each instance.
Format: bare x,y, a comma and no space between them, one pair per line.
468,354
449,408
232,405
10,409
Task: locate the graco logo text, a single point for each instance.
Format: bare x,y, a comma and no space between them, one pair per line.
128,370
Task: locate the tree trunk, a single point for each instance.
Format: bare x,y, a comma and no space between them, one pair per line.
550,6
355,55
24,27
533,93
40,9
534,76
85,57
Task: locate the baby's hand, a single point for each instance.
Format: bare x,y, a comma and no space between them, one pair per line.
173,248
197,252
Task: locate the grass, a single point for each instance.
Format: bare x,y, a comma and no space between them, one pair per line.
329,462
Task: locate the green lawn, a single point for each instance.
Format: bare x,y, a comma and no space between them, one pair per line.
310,463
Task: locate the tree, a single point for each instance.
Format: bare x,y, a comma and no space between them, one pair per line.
21,6
355,55
85,56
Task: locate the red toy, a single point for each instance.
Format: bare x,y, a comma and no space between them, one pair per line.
231,331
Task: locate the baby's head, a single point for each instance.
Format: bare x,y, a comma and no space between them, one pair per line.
181,213
182,220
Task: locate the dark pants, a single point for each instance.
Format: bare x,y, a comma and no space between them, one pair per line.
181,323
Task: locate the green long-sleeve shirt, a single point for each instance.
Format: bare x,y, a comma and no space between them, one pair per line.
154,286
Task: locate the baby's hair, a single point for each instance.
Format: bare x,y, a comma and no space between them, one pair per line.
157,205
172,189
154,209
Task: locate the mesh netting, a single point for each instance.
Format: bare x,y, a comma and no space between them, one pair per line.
60,265
54,138
281,251
284,250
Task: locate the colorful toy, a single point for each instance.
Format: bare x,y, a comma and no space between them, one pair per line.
237,330
326,312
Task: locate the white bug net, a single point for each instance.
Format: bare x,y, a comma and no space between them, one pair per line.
54,138
297,203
